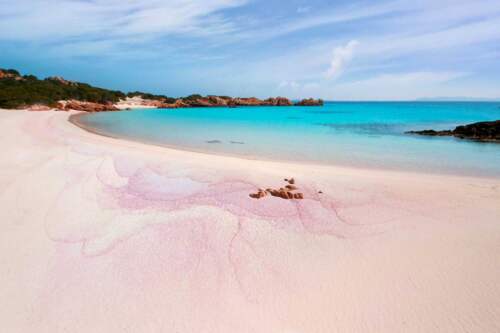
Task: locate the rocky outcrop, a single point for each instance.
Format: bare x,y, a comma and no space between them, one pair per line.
201,102
218,100
250,101
482,131
224,101
85,106
278,101
286,192
177,104
310,102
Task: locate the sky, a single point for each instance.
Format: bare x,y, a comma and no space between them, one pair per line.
335,50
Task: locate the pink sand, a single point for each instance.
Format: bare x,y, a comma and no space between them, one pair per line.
105,235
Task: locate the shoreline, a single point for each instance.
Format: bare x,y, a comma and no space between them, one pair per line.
73,119
126,233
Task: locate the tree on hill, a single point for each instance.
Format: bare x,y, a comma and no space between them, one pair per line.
16,93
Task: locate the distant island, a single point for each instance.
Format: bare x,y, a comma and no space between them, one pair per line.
28,92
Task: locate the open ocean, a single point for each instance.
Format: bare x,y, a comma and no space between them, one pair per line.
360,134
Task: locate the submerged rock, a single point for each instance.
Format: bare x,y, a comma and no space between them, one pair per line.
488,131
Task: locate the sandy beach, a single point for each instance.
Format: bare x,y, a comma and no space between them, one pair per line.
107,235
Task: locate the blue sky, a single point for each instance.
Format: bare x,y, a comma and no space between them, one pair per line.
337,50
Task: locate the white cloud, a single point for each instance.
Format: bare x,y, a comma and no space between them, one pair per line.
333,15
409,48
342,55
51,20
445,39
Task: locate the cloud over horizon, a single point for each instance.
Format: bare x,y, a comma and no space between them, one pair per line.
342,55
111,19
260,48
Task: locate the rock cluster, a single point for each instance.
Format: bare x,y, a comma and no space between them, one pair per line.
210,101
197,101
278,101
85,106
310,102
286,192
482,131
225,101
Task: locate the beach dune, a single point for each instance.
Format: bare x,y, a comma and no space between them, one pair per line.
102,234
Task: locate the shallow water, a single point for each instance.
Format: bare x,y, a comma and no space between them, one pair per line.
362,134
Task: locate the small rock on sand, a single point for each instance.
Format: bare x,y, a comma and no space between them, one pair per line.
282,192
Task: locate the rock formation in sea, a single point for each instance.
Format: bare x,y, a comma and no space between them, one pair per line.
278,101
482,131
310,102
198,101
225,101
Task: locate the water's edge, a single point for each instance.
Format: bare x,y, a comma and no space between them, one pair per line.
74,119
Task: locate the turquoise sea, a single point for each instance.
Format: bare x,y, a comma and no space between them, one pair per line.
360,134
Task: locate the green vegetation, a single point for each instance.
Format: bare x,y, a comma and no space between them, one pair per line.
12,71
17,91
192,98
163,98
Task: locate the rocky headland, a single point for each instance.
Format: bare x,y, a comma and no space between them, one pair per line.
56,93
487,131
